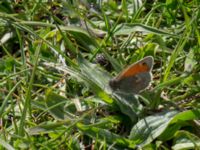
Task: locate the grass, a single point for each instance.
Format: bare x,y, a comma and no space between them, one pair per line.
56,59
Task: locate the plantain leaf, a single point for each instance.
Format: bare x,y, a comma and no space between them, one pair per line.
96,78
103,134
126,29
149,128
160,125
186,140
56,106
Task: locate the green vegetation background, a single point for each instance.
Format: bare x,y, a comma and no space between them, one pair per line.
57,57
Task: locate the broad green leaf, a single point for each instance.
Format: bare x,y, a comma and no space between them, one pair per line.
129,105
56,106
186,140
6,145
152,127
103,134
99,76
96,78
126,29
187,115
149,128
47,127
98,84
79,34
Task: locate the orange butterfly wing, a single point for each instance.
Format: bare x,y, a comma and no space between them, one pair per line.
145,65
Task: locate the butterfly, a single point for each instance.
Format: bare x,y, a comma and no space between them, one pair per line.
134,78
